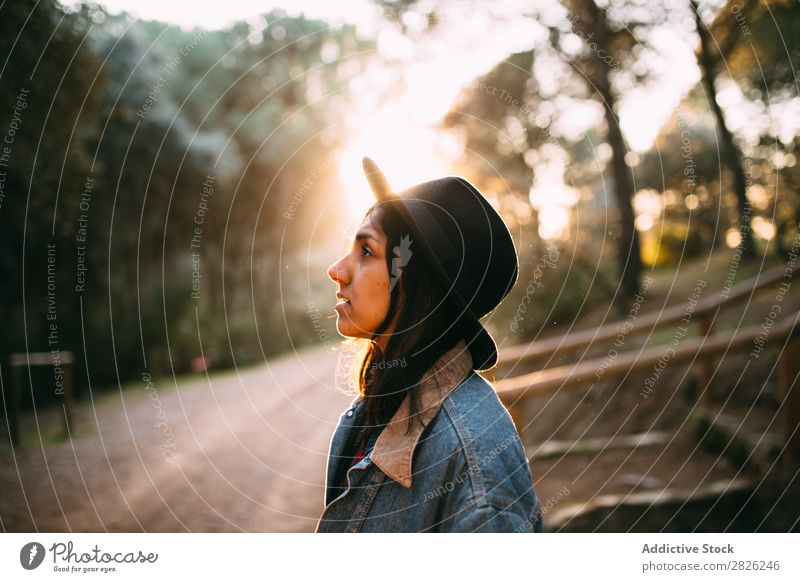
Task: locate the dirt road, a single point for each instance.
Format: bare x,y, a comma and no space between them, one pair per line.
236,452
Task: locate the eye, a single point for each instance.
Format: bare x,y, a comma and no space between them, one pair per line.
365,251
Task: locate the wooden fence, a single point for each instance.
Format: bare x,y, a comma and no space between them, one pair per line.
704,348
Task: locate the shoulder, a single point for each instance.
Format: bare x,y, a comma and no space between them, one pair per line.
485,483
477,413
479,430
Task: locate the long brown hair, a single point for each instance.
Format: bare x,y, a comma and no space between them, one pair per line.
426,325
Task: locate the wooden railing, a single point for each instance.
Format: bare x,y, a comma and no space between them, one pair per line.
704,347
583,339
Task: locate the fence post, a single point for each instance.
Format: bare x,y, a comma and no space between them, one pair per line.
517,412
516,409
706,366
790,388
14,394
69,392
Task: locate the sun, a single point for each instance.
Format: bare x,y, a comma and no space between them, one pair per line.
406,153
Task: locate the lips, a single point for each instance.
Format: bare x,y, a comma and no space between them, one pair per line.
342,300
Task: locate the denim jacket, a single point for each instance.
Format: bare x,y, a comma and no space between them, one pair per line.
464,469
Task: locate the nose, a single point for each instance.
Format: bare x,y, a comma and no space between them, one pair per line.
337,272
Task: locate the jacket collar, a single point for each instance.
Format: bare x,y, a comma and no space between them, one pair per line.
394,447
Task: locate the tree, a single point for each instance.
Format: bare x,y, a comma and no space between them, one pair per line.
44,167
609,41
608,35
144,112
708,62
753,46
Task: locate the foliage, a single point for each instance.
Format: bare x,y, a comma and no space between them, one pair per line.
162,169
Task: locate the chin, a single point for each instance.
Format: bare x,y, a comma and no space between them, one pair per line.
351,332
346,330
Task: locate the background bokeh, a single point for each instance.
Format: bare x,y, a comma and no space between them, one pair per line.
174,183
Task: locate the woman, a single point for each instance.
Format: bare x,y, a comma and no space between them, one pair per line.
427,445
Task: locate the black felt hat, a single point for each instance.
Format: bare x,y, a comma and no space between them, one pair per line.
467,244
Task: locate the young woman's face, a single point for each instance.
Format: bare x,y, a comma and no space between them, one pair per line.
364,292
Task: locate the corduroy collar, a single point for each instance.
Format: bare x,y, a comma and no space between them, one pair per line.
394,448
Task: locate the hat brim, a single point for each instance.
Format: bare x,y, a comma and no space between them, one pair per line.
482,346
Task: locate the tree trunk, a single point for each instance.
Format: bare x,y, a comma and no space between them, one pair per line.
629,262
628,253
733,156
